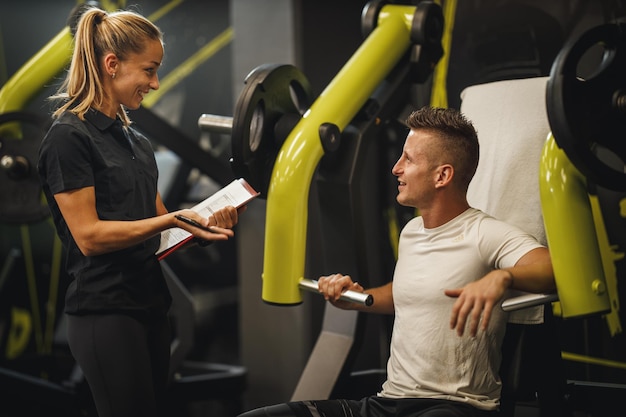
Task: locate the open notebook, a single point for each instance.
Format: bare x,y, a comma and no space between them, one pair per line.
238,193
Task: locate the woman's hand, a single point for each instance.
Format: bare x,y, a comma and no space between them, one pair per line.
216,227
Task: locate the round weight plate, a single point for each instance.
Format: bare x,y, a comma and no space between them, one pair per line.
20,135
272,92
427,26
586,102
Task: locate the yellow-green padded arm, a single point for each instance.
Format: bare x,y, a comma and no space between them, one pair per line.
35,73
571,235
288,193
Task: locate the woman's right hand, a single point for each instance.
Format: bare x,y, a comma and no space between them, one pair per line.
219,224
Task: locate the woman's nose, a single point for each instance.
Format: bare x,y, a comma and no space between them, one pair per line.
154,84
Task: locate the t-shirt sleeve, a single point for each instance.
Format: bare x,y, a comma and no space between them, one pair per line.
65,159
504,244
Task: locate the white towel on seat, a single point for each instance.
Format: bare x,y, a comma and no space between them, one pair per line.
512,124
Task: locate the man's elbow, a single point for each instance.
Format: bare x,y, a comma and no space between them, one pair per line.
550,281
549,285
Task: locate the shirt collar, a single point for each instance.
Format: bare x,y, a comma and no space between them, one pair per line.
100,120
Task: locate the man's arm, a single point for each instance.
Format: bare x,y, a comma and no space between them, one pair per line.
332,286
533,272
475,302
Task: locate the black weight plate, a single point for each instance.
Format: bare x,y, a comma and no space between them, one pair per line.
272,92
427,25
584,111
20,136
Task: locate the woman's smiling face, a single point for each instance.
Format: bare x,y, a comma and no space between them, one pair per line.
136,76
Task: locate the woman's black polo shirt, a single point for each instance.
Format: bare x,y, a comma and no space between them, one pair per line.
122,168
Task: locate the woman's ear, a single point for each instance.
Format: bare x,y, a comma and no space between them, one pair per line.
111,64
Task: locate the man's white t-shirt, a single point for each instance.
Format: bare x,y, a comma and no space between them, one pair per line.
427,358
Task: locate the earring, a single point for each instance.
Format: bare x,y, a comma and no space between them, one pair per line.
113,76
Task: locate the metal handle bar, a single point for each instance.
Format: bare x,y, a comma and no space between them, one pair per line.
215,123
528,300
352,296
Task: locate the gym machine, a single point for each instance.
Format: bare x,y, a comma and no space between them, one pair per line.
277,124
286,143
583,190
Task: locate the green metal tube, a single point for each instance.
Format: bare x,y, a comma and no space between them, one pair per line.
287,197
571,235
35,73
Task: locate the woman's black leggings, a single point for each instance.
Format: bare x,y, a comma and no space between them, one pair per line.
125,362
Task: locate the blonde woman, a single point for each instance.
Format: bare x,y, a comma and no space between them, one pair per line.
99,176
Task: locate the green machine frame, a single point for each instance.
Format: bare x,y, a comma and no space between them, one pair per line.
576,256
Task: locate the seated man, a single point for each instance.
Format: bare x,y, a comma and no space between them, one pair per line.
455,265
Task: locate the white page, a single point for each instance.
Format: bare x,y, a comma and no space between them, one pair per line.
235,194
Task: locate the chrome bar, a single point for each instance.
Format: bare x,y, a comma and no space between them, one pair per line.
528,300
352,296
215,123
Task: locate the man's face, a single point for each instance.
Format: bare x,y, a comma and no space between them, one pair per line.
415,170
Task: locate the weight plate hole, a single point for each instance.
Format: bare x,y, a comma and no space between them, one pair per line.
299,97
593,61
256,126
